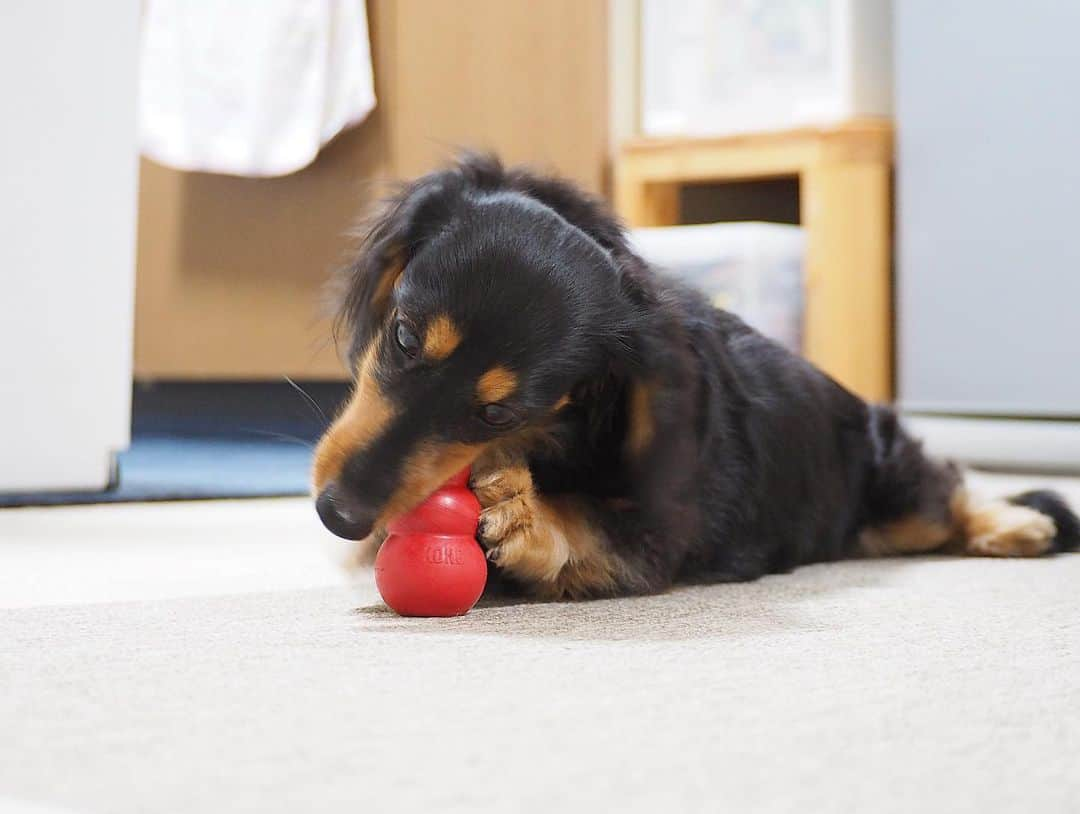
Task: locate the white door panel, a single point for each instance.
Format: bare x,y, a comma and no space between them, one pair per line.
68,178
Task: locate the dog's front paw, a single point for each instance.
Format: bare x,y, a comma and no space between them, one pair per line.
498,481
515,528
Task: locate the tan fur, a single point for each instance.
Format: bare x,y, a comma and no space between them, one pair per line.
548,543
496,384
424,471
441,338
363,418
911,535
563,401
978,527
642,427
391,276
994,528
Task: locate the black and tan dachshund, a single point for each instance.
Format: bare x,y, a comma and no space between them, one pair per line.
623,433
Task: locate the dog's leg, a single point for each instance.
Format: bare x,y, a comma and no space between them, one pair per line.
1023,526
968,525
919,505
553,545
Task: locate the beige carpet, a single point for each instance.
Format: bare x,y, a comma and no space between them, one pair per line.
931,684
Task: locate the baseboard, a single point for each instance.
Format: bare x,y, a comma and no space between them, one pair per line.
254,409
1018,444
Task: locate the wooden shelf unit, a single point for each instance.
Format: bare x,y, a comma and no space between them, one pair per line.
845,205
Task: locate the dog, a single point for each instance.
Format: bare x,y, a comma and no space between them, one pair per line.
623,433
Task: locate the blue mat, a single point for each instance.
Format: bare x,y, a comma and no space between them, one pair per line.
195,442
208,467
164,468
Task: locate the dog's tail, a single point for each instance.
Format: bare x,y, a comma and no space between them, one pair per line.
1053,506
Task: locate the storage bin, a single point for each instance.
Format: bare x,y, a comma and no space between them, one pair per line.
718,67
752,269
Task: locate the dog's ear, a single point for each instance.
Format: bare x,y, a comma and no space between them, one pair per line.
587,212
653,367
660,396
398,229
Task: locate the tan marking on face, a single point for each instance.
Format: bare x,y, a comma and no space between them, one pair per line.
496,384
427,468
363,418
642,426
441,338
563,401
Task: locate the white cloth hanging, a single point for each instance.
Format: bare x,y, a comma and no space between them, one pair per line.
251,87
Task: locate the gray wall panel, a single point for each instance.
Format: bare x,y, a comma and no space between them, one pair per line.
988,180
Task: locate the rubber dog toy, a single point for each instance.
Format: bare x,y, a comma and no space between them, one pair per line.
430,564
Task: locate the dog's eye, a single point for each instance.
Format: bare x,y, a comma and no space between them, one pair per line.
407,340
497,415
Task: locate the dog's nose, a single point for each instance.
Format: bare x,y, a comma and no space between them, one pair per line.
345,515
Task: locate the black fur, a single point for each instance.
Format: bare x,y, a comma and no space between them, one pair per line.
757,462
1054,506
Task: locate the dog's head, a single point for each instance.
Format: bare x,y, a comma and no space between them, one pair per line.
479,300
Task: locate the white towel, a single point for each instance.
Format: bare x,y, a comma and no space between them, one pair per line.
251,87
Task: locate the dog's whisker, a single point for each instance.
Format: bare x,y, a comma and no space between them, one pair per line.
281,436
314,404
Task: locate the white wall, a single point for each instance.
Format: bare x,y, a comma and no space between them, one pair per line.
68,176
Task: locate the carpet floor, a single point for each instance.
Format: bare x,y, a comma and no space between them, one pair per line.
229,670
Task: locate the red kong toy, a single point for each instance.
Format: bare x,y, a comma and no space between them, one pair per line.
431,564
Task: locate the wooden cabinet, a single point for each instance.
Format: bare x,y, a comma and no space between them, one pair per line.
527,79
230,270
